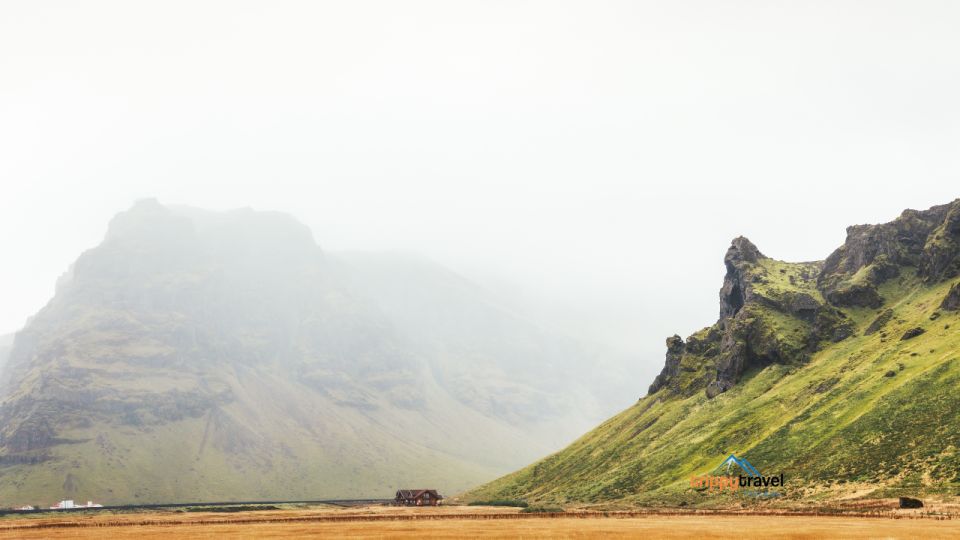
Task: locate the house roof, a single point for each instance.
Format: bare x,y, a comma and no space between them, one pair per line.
417,493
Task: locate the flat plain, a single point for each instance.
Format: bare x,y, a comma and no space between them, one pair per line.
466,522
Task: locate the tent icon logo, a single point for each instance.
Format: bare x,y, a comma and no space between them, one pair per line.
732,462
735,473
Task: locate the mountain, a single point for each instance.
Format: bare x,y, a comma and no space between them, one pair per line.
6,342
198,355
480,348
840,374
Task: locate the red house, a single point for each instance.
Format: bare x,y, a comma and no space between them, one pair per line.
417,497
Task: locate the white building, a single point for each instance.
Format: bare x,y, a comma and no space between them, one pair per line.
67,504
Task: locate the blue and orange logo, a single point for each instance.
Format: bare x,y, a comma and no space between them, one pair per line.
735,473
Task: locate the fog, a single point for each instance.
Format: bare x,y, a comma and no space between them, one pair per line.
590,161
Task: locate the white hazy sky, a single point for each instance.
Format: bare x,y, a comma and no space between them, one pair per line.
599,154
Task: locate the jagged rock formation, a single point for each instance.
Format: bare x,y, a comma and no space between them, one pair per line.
736,290
951,302
770,313
671,368
799,375
773,312
872,254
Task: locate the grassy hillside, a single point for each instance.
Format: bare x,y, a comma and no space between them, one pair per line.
275,440
851,411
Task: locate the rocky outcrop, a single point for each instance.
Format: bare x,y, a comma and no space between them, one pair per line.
951,302
830,325
716,388
912,333
878,323
758,295
855,295
736,293
773,312
750,335
941,251
928,240
736,290
671,367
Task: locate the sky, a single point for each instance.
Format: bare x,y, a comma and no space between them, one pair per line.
594,158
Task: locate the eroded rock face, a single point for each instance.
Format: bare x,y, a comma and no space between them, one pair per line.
716,388
756,290
736,289
750,337
773,312
928,240
951,302
856,295
941,252
671,367
736,293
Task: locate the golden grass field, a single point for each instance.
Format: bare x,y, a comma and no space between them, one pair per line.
465,522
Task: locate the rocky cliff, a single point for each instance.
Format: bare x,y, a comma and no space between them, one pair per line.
773,312
840,374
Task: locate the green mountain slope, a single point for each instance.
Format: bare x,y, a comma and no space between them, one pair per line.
222,356
841,374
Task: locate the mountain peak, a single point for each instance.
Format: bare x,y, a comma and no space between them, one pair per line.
842,373
147,218
741,255
742,250
225,350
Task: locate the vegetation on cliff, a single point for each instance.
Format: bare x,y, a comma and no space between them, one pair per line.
805,373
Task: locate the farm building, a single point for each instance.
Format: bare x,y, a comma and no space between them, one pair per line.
417,497
68,504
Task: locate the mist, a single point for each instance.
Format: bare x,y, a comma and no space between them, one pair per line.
589,163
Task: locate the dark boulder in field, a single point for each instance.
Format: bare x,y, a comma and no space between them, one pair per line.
879,322
951,302
910,502
912,333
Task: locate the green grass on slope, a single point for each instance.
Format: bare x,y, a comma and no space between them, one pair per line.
780,279
179,462
837,420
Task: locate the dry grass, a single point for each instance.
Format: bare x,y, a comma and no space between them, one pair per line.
473,522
